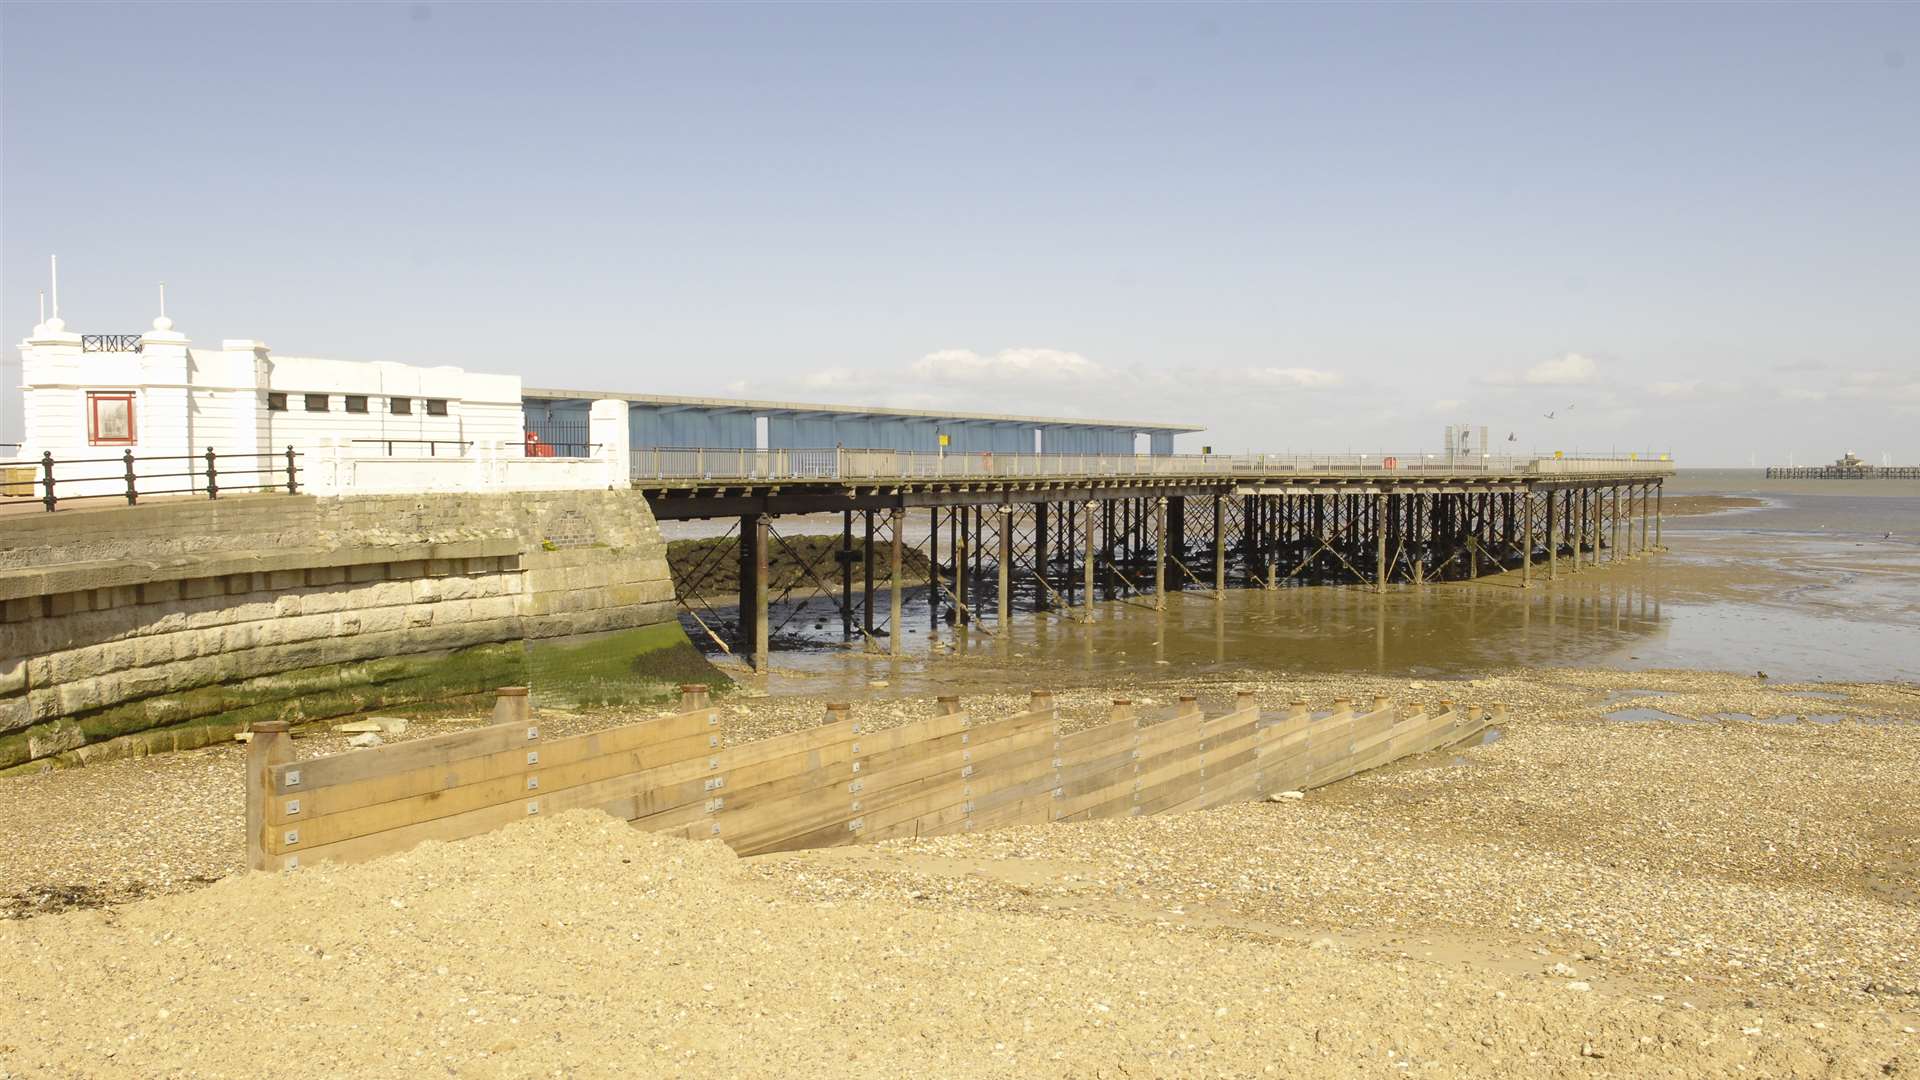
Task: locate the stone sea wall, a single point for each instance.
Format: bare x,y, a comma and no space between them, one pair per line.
129,629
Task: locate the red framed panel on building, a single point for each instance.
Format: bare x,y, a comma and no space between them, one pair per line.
110,418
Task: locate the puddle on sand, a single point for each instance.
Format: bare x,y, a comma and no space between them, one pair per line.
1823,695
1644,716
1491,735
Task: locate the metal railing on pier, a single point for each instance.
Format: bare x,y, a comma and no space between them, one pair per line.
692,464
54,482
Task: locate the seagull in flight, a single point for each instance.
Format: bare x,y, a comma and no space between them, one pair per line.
1549,416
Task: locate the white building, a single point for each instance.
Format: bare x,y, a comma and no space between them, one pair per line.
91,400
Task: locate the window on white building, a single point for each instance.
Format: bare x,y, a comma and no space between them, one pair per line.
276,402
356,403
401,406
316,403
436,406
109,419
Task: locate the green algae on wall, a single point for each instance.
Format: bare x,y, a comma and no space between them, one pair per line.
641,666
208,714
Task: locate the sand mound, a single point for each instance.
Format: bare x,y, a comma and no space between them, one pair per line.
579,946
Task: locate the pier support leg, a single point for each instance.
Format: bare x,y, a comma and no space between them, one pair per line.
1160,554
1659,515
1526,539
962,602
762,629
1087,570
1006,564
1219,548
866,578
1470,530
933,569
1040,553
896,633
1380,543
846,574
1577,524
1644,492
1614,526
1553,538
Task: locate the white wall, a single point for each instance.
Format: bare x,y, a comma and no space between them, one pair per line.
188,399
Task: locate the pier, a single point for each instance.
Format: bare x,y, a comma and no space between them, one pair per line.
1066,531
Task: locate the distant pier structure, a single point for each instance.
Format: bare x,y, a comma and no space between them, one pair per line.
1849,467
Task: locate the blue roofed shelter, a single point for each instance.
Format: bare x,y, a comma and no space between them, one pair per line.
657,421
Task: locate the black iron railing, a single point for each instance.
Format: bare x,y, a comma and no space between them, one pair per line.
55,481
109,343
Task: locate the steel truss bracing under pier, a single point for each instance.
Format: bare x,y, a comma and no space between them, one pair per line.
979,544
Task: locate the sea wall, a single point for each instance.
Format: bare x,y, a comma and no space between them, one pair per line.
129,629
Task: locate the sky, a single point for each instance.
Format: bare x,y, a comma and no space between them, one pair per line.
1675,228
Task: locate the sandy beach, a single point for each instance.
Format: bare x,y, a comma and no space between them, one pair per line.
1647,871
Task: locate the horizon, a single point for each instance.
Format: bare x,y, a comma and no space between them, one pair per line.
1322,229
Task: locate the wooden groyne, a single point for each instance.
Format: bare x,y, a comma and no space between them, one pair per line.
840,782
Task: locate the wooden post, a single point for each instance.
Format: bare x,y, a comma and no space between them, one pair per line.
510,705
1006,563
693,697
947,704
1040,701
1189,705
896,632
1122,710
1088,569
269,746
1160,554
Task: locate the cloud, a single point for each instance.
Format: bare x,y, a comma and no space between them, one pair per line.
1676,391
1302,378
1794,393
1569,370
1445,405
832,378
1012,366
